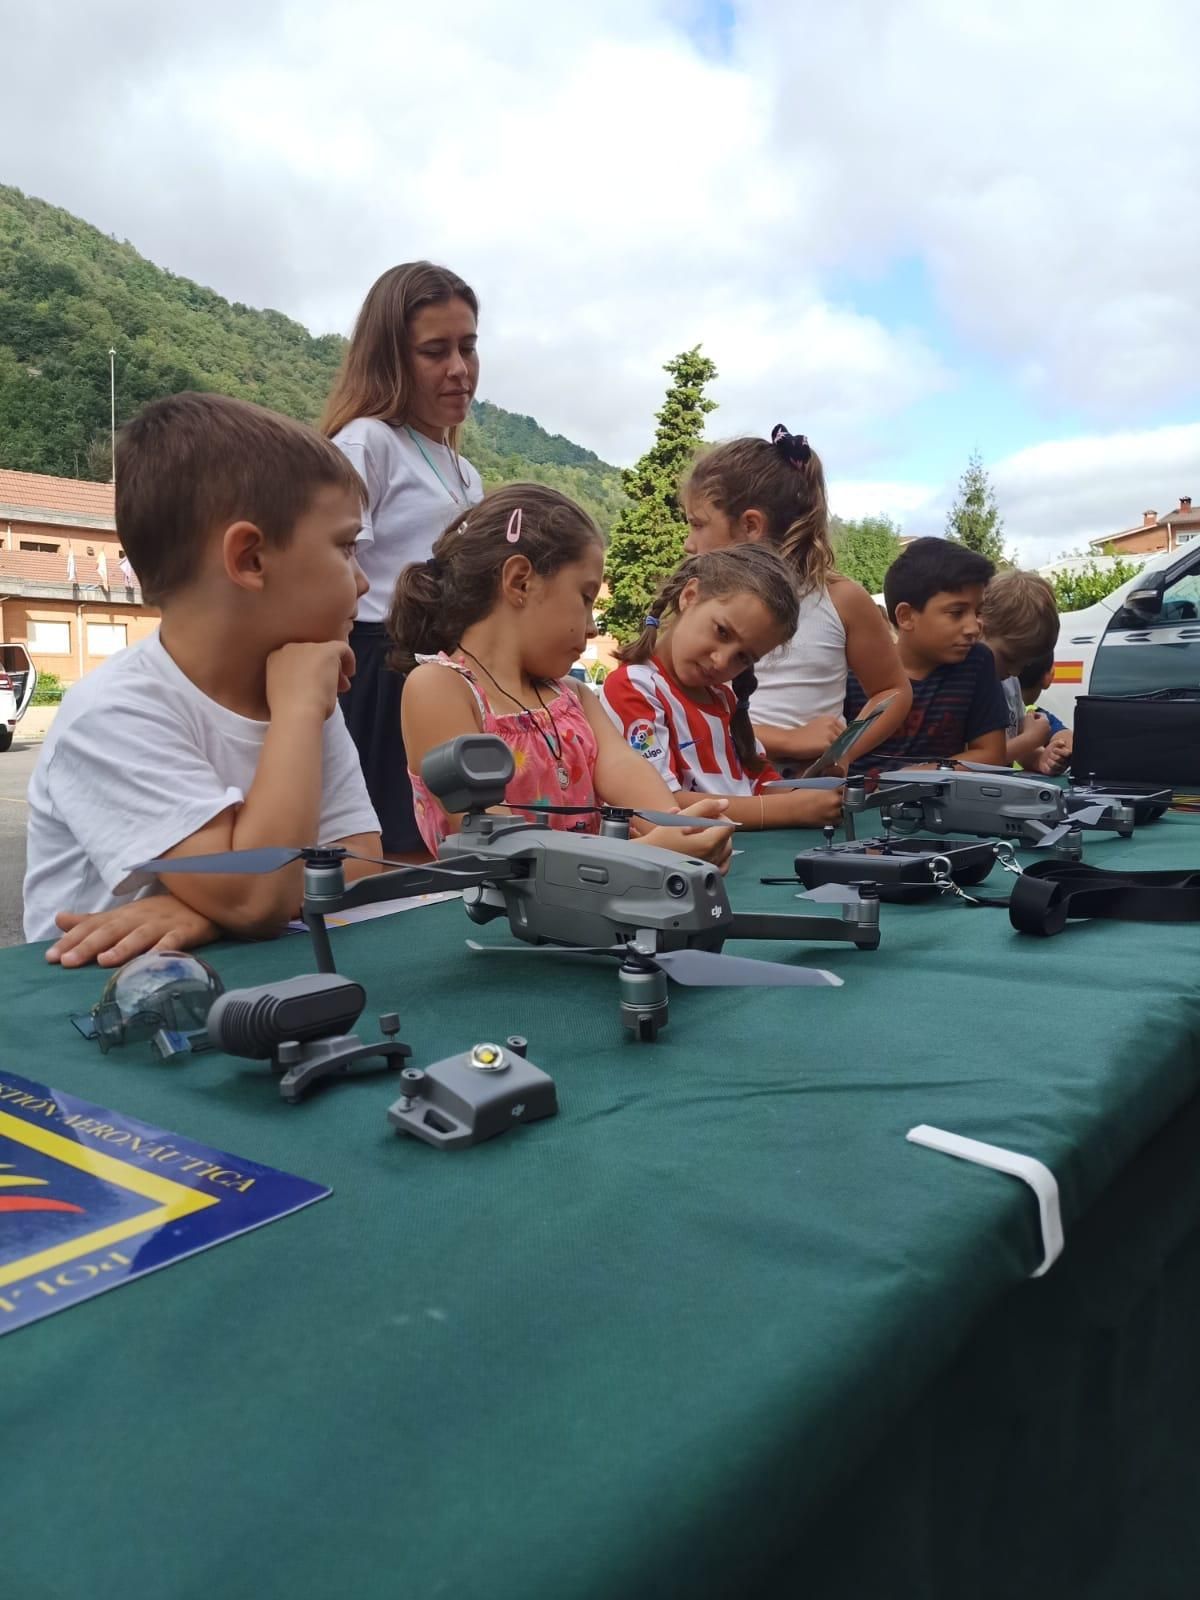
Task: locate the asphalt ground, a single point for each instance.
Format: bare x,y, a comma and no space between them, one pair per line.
16,765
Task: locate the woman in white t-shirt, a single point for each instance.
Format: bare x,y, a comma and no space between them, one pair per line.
774,490
396,409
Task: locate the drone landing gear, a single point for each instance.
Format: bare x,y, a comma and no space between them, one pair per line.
644,1008
303,1065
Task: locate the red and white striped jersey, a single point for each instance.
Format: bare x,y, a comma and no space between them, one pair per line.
689,745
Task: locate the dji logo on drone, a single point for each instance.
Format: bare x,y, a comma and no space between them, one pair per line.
715,912
517,1110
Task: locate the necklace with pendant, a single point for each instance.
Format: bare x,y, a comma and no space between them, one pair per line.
432,465
556,754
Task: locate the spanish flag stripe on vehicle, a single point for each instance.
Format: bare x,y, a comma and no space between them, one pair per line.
1068,672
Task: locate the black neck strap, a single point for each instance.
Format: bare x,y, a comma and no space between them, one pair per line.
1050,893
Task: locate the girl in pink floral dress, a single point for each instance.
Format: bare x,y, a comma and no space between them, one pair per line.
487,629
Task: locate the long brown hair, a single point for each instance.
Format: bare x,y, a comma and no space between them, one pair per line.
742,569
783,478
375,378
436,601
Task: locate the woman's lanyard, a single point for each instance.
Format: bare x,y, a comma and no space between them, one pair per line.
432,465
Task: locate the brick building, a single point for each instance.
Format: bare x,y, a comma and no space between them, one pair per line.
1154,533
66,590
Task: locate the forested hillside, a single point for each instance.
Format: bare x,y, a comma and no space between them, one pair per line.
69,292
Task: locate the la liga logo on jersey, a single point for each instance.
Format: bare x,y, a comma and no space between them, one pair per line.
640,737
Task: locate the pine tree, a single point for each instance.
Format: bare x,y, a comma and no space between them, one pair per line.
974,519
648,536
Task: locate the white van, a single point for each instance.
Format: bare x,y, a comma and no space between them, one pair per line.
18,679
1141,637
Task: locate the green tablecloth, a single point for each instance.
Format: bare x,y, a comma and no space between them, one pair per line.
699,1334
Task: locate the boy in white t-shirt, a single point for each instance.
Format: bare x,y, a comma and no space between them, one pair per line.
220,731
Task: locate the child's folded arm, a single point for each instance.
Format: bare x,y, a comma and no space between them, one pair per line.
110,938
986,747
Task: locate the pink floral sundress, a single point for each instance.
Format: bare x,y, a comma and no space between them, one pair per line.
540,778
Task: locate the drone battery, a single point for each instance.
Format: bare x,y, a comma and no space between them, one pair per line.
472,1097
900,866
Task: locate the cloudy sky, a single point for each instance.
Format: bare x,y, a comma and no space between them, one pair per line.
906,229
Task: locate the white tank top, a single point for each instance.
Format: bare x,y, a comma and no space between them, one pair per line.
807,677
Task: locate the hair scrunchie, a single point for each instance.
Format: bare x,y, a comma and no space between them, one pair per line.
744,686
434,567
794,447
650,622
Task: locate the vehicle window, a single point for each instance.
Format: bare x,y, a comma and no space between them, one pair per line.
1143,653
1181,600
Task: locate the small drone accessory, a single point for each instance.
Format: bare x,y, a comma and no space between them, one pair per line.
474,1096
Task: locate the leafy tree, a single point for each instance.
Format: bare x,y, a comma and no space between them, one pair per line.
974,518
865,548
647,540
1074,591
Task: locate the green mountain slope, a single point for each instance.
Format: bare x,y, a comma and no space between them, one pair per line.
69,292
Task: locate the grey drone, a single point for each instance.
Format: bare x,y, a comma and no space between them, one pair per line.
661,914
994,802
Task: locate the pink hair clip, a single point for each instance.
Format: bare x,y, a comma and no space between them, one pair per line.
513,532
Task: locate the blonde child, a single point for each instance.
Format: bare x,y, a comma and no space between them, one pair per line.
710,624
773,491
488,627
1019,617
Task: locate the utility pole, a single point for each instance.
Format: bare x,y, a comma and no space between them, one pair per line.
112,432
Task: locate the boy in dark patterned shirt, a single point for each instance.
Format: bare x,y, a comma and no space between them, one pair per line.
934,591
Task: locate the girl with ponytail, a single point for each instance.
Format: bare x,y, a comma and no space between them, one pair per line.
682,693
772,492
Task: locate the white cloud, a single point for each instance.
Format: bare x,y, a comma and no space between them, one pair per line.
851,499
1057,496
617,190
606,184
1042,159
1054,497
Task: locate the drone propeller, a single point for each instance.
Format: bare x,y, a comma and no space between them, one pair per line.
782,785
1088,816
707,969
661,819
703,969
1048,837
833,894
267,858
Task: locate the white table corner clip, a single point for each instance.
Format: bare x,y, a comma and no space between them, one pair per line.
1028,1168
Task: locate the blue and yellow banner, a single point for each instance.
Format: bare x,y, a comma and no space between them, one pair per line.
90,1199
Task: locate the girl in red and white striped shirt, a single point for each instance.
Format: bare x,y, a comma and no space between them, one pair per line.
681,695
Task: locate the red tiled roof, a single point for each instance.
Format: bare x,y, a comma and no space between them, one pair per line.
63,496
33,566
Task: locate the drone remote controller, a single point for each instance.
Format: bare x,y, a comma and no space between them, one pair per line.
901,867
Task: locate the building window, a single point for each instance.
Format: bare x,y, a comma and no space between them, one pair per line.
104,638
50,638
42,549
